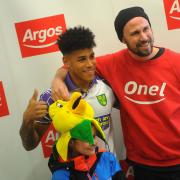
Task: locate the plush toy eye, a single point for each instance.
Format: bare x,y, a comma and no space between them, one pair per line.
59,105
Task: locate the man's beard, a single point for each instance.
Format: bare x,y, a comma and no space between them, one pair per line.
138,51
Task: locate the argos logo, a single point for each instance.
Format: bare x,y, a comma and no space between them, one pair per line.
3,104
129,173
134,90
39,36
172,10
48,141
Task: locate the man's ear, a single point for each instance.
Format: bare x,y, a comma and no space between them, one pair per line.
123,41
65,61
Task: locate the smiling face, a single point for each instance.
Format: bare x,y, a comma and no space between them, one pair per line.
138,37
81,66
79,147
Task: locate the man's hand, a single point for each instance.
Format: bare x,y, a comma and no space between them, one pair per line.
58,87
30,131
59,90
35,109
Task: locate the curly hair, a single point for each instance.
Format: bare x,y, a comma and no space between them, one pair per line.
75,39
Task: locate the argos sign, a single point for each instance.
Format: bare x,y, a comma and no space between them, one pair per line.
48,140
3,104
39,36
172,10
128,170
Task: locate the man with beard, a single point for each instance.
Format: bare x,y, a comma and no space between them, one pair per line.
146,80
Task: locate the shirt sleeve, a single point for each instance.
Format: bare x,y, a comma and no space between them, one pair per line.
103,63
46,97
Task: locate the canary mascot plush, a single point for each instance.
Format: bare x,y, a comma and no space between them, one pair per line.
73,119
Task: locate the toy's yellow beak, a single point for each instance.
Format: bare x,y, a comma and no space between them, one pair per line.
66,115
76,104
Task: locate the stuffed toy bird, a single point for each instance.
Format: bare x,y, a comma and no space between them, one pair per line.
73,119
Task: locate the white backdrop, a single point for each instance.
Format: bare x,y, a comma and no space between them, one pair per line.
21,75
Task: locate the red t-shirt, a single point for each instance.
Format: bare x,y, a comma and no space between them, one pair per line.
149,95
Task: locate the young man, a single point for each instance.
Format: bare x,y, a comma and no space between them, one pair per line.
146,80
76,45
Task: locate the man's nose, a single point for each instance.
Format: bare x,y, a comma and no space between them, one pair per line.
143,36
90,62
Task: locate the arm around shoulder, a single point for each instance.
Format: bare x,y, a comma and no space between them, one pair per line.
58,87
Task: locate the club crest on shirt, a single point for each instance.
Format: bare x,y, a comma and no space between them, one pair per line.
102,99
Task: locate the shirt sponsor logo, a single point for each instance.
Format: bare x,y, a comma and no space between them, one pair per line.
3,104
172,10
39,36
134,91
104,121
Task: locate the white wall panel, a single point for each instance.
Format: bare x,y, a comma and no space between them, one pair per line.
20,76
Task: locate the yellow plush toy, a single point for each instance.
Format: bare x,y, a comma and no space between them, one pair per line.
73,119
